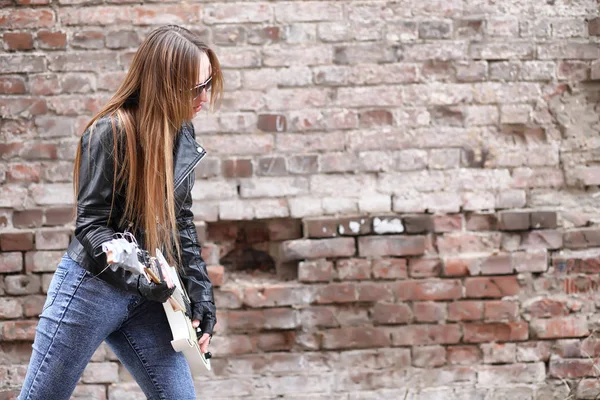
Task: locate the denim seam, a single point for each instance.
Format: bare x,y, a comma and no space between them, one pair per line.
34,381
60,282
139,355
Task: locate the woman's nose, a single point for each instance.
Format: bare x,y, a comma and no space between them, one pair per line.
204,95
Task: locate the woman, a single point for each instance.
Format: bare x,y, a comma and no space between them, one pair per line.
133,172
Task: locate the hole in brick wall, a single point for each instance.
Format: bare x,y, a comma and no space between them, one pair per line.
251,247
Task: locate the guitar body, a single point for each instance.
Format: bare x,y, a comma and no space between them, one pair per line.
124,254
185,339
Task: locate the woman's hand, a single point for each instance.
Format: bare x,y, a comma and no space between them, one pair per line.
204,316
204,340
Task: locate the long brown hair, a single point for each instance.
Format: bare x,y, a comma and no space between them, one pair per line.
149,108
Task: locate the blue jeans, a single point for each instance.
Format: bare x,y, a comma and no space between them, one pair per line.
80,312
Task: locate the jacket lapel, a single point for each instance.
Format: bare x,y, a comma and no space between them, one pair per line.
188,154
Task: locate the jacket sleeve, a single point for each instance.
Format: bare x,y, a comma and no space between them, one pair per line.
195,276
94,200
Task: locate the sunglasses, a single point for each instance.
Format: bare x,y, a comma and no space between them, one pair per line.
198,89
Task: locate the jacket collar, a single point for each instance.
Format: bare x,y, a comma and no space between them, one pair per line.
188,154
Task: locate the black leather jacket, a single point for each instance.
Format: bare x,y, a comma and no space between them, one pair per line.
96,224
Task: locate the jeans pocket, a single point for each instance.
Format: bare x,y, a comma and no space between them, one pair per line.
57,280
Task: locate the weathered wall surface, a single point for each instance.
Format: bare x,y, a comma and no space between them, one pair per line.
420,174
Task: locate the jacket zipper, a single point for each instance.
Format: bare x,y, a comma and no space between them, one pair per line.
190,169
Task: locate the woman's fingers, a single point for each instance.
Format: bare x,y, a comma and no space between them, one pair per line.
203,342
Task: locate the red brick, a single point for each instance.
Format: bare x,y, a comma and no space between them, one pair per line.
495,332
28,218
389,268
530,261
514,220
594,26
544,219
511,373
590,347
122,39
337,293
23,173
391,314
429,311
272,123
12,85
393,245
16,241
284,229
10,150
426,290
18,40
573,368
22,284
560,327
269,318
52,240
418,223
277,295
228,298
411,335
32,305
585,264
275,341
456,267
85,39
44,85
374,292
353,269
303,164
11,262
424,267
52,40
42,261
27,106
582,238
497,264
580,284
589,388
216,273
481,222
237,168
10,308
271,166
27,18
314,249
18,330
463,355
534,351
545,307
354,338
573,70
233,344
318,317
447,223
492,287
428,356
467,242
498,311
542,239
315,271
332,227
372,118
465,311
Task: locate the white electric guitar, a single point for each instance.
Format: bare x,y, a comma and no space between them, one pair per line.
177,308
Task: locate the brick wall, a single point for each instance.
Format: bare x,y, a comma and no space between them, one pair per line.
422,173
